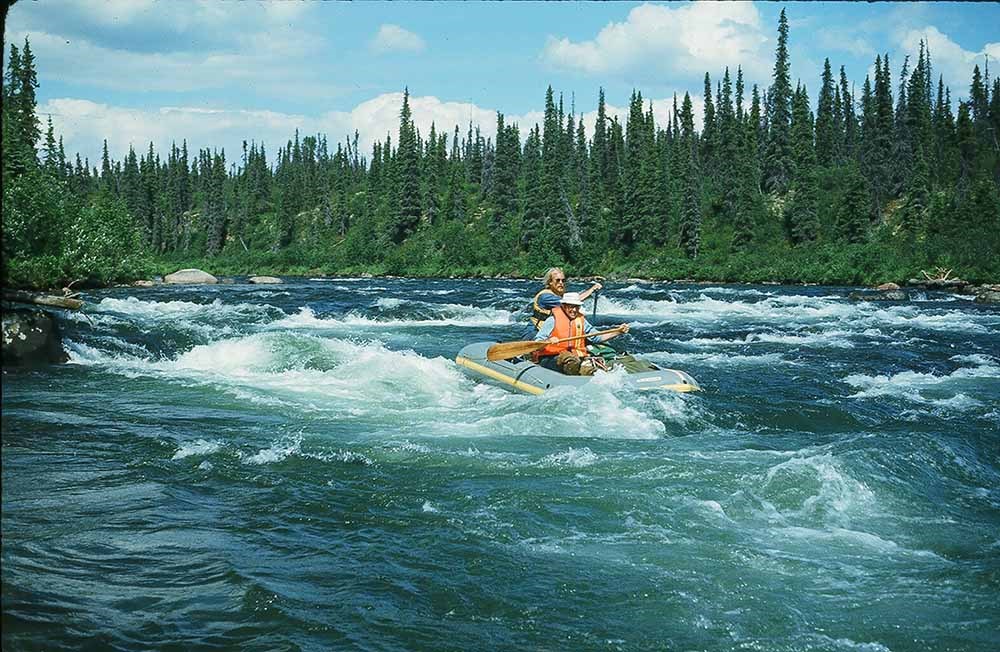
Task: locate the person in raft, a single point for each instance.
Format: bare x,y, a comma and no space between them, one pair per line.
567,320
548,298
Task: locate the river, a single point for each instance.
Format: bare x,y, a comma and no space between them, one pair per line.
304,467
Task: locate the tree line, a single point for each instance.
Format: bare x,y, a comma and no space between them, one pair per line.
875,185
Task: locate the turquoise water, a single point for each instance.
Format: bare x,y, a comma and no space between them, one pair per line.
304,467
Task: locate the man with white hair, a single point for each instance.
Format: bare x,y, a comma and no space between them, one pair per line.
567,320
548,297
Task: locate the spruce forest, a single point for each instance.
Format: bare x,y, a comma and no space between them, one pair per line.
882,181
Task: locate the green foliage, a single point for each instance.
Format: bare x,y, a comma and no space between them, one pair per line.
36,207
103,244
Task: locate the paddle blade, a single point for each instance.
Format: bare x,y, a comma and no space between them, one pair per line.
507,350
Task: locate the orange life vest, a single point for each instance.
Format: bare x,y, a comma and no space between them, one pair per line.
565,328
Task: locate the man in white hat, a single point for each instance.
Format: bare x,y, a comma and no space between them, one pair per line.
565,321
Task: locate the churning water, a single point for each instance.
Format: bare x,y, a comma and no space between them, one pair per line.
304,467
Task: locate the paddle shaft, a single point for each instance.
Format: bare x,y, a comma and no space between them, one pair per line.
579,337
505,350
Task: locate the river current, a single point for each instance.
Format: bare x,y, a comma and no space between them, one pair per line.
304,467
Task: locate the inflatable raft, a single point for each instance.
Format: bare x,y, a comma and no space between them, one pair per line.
526,376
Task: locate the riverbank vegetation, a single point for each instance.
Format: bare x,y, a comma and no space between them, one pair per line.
874,185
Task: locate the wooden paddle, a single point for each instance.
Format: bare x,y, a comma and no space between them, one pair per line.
506,350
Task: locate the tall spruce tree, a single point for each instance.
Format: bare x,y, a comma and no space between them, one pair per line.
778,157
826,121
802,218
407,216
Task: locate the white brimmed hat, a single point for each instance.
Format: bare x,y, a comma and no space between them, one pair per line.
572,298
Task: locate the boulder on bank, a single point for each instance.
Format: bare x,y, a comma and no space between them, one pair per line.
265,280
884,287
31,337
190,276
143,284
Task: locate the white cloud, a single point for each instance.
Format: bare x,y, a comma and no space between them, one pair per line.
260,64
948,58
686,40
393,38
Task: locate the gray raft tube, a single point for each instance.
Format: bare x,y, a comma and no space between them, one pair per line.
526,376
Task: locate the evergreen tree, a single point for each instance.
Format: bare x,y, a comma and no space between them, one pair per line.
599,152
107,178
549,190
802,219
630,224
778,159
27,121
690,222
52,162
408,170
533,208
505,174
131,183
854,211
730,138
215,207
849,128
826,123
708,131
918,196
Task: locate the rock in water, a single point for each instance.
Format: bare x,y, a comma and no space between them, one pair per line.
887,286
987,296
264,280
31,337
889,295
192,276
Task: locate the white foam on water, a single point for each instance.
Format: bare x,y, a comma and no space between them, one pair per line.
451,315
838,339
205,466
815,487
279,451
409,447
198,447
345,457
305,372
914,386
388,302
155,311
712,507
828,339
748,292
597,409
980,359
242,356
635,288
573,457
843,535
795,313
428,508
724,360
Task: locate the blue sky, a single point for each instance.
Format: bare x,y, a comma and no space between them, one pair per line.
215,73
